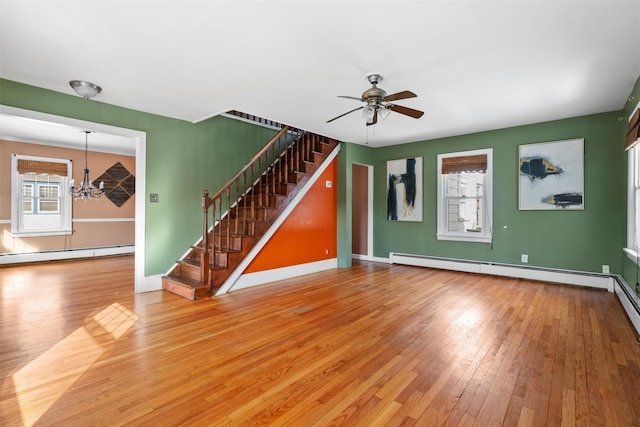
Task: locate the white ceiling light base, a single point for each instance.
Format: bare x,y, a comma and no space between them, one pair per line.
87,90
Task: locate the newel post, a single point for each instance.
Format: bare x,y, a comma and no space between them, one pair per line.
204,253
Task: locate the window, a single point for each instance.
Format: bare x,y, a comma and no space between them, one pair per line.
40,207
633,187
49,197
464,196
27,198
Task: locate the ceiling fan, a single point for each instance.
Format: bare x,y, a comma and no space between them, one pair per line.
378,102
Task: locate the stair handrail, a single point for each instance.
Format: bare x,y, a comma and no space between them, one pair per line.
246,167
274,156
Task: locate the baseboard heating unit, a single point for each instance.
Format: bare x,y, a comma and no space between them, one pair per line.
611,283
58,255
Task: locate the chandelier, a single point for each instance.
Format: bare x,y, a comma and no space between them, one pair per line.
86,190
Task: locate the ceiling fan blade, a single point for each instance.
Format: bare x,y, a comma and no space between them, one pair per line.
400,95
374,120
416,114
351,97
342,115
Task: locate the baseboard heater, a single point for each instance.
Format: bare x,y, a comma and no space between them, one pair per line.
611,283
57,255
629,300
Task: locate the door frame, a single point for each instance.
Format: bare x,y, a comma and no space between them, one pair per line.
369,255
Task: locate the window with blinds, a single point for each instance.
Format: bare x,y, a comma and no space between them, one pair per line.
464,196
41,205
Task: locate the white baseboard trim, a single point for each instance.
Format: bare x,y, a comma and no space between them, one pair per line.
260,278
19,258
361,257
151,283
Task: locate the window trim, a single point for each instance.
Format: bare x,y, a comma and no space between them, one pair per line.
633,222
16,200
486,235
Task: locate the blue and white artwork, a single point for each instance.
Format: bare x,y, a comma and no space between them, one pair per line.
404,189
552,175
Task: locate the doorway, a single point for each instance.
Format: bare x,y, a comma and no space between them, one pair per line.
362,211
134,137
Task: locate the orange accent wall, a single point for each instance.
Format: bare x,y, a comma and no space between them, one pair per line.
308,232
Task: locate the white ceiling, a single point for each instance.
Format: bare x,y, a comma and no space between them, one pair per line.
22,129
475,65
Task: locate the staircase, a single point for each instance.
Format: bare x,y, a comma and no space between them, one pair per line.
244,209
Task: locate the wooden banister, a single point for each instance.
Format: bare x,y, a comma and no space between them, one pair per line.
233,212
239,214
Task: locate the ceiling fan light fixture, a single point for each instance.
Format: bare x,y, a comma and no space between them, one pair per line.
383,113
86,90
367,113
377,102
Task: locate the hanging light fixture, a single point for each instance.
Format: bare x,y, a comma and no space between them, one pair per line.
383,112
86,190
87,90
367,113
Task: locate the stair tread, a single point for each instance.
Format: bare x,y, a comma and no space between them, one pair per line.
186,281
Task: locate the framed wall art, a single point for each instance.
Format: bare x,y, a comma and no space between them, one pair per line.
552,175
404,189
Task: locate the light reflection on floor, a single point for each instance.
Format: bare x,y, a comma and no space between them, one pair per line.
42,382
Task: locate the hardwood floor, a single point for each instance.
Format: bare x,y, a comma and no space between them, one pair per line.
367,346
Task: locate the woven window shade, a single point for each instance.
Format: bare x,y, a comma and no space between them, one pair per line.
465,164
633,132
42,168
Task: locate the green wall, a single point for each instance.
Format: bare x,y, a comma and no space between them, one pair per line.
566,239
180,158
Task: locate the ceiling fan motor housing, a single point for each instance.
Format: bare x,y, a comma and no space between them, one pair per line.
374,95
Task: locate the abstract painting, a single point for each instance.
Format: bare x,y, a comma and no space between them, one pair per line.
404,189
552,175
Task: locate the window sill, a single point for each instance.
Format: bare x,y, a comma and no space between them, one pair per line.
464,238
632,255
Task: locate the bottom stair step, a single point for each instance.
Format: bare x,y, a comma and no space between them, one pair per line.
186,287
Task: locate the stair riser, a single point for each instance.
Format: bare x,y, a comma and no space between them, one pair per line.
263,201
190,271
221,259
221,243
239,228
178,289
280,189
256,214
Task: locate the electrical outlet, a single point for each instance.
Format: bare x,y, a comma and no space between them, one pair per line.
605,269
524,258
153,198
